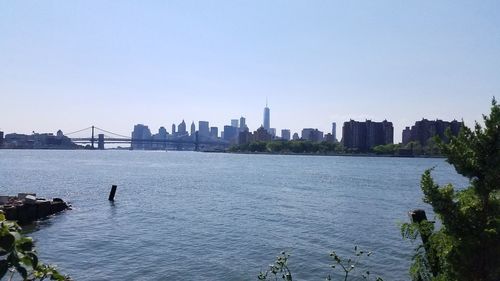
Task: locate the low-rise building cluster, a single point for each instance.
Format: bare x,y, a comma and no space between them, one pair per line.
36,141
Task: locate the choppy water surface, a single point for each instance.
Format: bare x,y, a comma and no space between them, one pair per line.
202,216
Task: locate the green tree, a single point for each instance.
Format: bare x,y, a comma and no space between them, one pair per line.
432,147
415,147
275,146
257,146
18,255
386,149
467,245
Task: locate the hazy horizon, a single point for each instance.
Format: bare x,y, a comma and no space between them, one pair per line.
70,65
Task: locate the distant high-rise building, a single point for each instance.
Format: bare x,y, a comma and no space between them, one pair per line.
267,118
193,128
312,134
406,135
243,124
272,132
173,129
334,131
365,135
1,139
214,132
245,137
234,123
162,132
262,135
295,136
285,134
203,128
329,138
181,129
425,129
141,137
159,139
230,133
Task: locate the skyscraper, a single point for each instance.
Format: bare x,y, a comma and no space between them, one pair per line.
243,124
181,129
214,132
234,123
159,139
267,118
285,134
203,128
141,137
311,134
162,132
363,136
193,128
173,129
230,133
425,129
334,131
272,132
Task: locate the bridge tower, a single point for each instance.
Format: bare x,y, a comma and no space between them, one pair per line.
93,138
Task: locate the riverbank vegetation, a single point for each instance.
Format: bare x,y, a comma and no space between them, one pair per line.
467,244
342,267
284,147
18,256
335,148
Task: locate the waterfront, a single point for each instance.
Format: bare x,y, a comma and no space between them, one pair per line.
186,215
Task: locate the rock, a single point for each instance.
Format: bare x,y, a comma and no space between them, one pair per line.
30,200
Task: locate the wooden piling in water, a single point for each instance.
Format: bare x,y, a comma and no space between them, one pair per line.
112,193
418,216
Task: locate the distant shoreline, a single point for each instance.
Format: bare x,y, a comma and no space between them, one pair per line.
253,153
334,154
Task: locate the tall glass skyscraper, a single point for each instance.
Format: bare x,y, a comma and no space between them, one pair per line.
267,118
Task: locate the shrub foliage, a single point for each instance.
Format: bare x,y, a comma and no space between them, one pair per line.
467,245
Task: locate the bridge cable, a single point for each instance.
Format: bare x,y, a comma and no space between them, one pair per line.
127,137
67,134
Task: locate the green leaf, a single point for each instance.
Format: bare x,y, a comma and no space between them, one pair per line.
22,271
34,259
57,276
27,261
7,241
4,266
25,244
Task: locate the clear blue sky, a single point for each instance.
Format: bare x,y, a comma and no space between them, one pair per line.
70,64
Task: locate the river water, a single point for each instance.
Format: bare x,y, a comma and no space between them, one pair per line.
208,216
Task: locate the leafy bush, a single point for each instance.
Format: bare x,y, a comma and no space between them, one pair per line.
18,255
467,246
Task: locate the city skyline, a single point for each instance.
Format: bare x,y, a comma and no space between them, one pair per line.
114,64
182,127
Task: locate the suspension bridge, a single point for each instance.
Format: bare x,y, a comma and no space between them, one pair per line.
101,137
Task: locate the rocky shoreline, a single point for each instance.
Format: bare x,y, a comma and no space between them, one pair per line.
26,208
